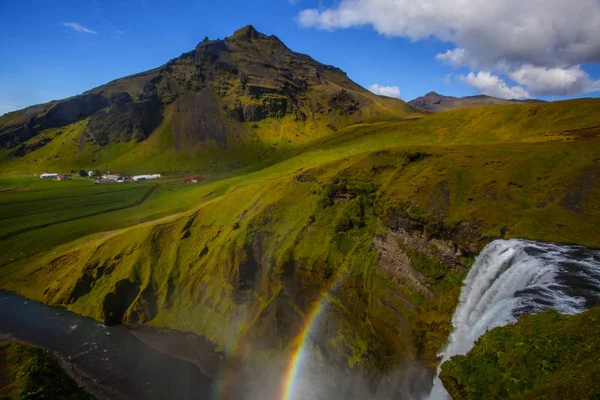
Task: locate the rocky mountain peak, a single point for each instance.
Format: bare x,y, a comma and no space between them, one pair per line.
248,32
210,94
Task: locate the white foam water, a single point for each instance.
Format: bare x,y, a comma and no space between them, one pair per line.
514,277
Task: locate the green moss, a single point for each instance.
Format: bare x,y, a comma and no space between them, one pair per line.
548,355
30,373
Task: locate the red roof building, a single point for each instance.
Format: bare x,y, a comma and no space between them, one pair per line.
193,180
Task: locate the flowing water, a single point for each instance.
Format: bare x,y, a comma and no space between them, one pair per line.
514,277
114,363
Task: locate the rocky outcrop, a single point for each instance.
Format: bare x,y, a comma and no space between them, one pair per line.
126,120
434,238
117,302
20,126
344,103
395,262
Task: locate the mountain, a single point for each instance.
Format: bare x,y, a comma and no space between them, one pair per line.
248,94
329,269
435,102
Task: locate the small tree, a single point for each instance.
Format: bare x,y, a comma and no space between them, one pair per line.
82,173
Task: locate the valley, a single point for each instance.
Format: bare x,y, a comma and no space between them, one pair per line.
334,226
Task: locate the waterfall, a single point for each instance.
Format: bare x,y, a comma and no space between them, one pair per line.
514,277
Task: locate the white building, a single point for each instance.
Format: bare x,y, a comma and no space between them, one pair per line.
146,177
46,175
92,173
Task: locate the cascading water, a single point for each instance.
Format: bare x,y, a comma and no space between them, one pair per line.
514,277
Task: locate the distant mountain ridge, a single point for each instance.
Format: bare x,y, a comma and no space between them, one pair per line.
247,92
435,102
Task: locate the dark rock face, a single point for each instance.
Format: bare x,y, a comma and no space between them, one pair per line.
72,110
82,287
117,302
200,118
120,98
344,102
31,121
126,120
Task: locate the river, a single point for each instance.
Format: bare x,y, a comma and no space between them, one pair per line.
111,362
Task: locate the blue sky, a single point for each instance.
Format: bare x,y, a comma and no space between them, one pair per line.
42,59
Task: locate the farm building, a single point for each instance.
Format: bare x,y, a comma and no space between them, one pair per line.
146,177
63,177
193,180
48,176
111,177
92,173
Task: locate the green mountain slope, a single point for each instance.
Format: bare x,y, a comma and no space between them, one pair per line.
381,220
225,105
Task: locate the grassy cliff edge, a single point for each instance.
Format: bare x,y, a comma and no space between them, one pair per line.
548,355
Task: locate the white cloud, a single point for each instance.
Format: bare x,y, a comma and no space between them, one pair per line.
534,31
455,57
389,91
492,85
558,81
501,36
78,27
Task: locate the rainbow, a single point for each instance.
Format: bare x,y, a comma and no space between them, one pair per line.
300,344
